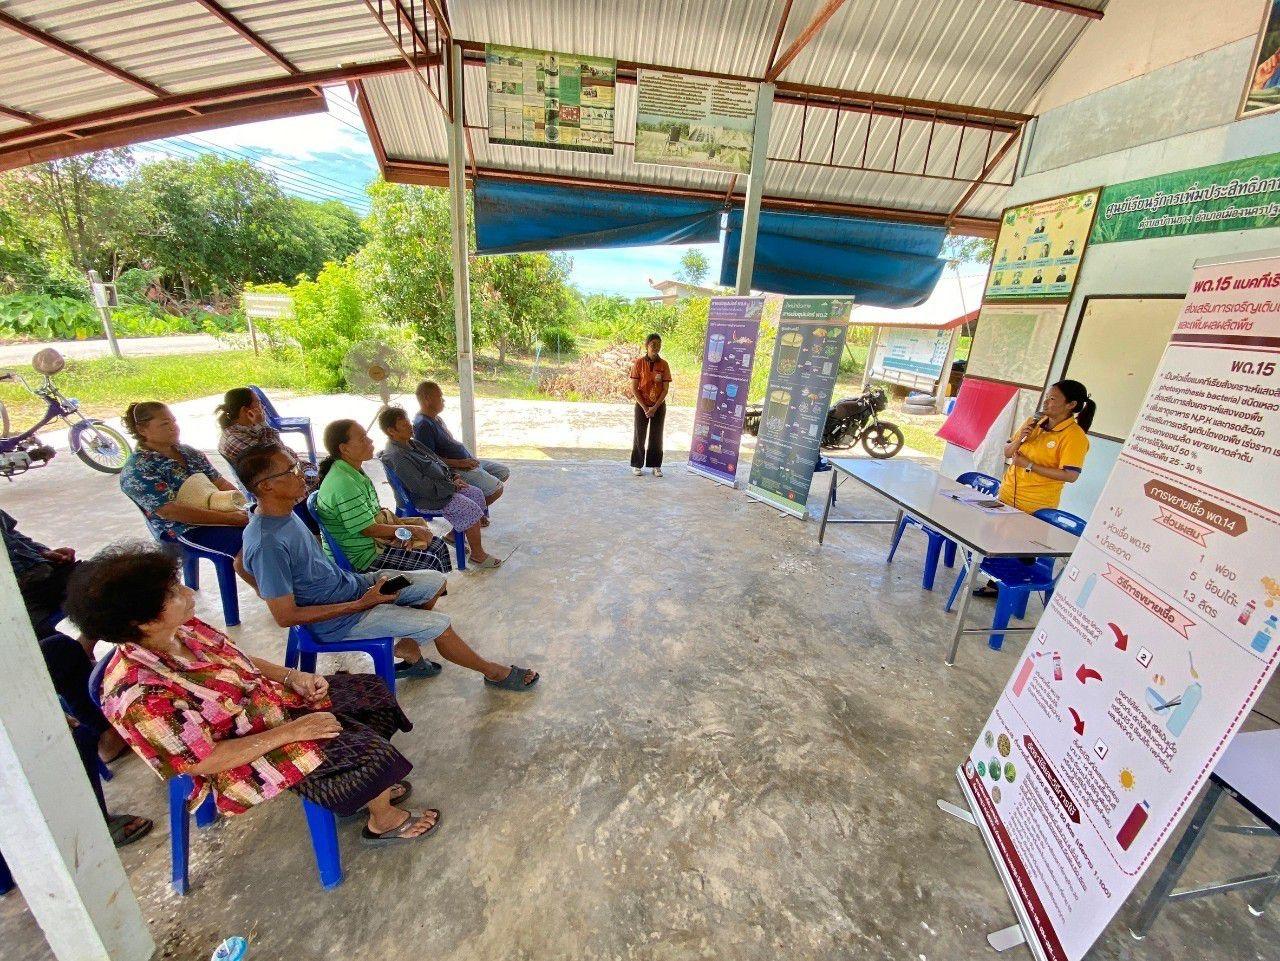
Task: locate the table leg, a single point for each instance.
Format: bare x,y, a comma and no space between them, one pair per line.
1187,845
966,594
1268,892
897,522
826,508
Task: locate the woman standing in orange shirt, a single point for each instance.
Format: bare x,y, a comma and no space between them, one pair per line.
650,381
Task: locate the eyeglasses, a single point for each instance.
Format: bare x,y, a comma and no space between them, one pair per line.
295,470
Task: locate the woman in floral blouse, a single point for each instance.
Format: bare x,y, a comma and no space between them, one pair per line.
156,470
188,701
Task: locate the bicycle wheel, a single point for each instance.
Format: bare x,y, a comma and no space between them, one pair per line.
103,448
4,420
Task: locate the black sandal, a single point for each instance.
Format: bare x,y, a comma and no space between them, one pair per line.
126,828
986,590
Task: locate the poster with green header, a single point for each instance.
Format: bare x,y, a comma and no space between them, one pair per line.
1236,195
539,98
806,362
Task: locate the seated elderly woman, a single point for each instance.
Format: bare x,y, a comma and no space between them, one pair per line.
434,485
188,701
244,425
176,487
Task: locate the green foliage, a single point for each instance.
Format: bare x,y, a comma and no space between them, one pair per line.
694,267
558,339
41,317
961,248
330,317
133,284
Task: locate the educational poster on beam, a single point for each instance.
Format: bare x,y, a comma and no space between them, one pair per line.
806,362
1163,630
538,98
1040,246
733,325
689,121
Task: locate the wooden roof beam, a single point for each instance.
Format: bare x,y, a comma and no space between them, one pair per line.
83,56
1062,7
228,18
777,35
13,113
811,30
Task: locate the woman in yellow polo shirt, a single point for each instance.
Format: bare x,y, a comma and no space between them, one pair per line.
1047,453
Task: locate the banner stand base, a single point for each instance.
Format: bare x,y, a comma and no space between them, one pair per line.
956,812
1006,938
802,513
694,469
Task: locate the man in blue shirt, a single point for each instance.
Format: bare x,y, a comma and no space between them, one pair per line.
429,430
301,585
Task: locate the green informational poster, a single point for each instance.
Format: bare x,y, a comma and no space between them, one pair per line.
806,362
1237,195
542,99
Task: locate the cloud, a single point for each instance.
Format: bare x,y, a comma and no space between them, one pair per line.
626,271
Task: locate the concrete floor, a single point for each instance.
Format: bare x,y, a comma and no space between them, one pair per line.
734,753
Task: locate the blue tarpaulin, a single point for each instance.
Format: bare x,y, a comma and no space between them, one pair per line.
519,217
879,263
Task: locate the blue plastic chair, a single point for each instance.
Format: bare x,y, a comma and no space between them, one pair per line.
321,822
1016,581
406,508
286,425
192,554
937,540
6,879
303,646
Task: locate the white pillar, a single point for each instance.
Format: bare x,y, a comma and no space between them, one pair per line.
461,273
871,356
940,395
51,831
755,187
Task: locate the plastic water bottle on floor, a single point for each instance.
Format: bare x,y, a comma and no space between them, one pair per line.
232,949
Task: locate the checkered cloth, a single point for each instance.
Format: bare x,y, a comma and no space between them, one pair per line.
435,556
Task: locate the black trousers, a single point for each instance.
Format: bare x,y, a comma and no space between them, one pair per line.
652,426
43,589
69,669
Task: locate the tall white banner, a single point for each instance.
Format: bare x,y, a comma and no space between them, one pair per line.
1163,631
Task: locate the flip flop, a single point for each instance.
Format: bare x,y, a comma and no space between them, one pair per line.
396,835
126,828
514,681
405,790
490,563
986,590
419,668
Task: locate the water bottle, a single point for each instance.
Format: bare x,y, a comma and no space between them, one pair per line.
232,949
1262,640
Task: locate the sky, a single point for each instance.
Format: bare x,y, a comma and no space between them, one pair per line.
328,156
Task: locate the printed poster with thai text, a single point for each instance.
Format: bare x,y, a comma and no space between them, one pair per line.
538,98
1162,633
733,324
1040,247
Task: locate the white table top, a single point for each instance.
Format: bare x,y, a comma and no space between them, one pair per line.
919,491
1250,766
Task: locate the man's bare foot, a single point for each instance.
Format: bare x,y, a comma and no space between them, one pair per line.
397,820
111,746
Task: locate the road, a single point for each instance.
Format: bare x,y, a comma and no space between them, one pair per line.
16,355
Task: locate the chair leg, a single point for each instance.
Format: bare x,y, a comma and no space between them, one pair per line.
190,570
104,772
897,538
1006,604
949,553
324,841
226,572
1020,609
460,549
307,661
931,561
311,444
207,812
6,879
291,650
179,832
384,663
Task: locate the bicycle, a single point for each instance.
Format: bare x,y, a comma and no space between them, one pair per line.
101,447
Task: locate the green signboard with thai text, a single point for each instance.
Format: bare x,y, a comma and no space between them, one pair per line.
1237,195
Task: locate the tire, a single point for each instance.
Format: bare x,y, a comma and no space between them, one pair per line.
883,440
4,421
103,448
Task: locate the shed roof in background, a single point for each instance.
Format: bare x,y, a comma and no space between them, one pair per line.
954,301
908,109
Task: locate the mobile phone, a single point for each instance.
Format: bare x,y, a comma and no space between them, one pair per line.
396,585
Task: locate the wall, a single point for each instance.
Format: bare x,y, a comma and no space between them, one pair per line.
1177,116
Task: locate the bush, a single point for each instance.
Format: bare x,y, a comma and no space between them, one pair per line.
604,375
559,340
41,317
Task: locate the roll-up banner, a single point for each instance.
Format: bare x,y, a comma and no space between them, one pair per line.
733,325
806,362
1163,630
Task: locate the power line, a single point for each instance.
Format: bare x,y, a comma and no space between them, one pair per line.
289,165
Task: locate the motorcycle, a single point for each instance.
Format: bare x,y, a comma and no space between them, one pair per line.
101,447
851,420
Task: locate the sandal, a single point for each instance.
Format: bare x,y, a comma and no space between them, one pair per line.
405,789
986,590
514,681
419,668
125,828
490,563
401,833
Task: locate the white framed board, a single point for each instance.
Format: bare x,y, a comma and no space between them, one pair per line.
1014,343
1117,346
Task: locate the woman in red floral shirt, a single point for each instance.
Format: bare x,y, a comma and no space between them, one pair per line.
189,701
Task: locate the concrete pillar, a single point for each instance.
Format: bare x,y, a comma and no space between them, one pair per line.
940,395
755,188
461,273
871,356
51,830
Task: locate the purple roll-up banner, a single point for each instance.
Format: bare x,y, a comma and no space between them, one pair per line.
733,324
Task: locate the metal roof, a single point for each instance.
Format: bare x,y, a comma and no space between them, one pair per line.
856,122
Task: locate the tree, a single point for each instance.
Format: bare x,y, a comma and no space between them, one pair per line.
21,267
337,224
694,267
960,248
